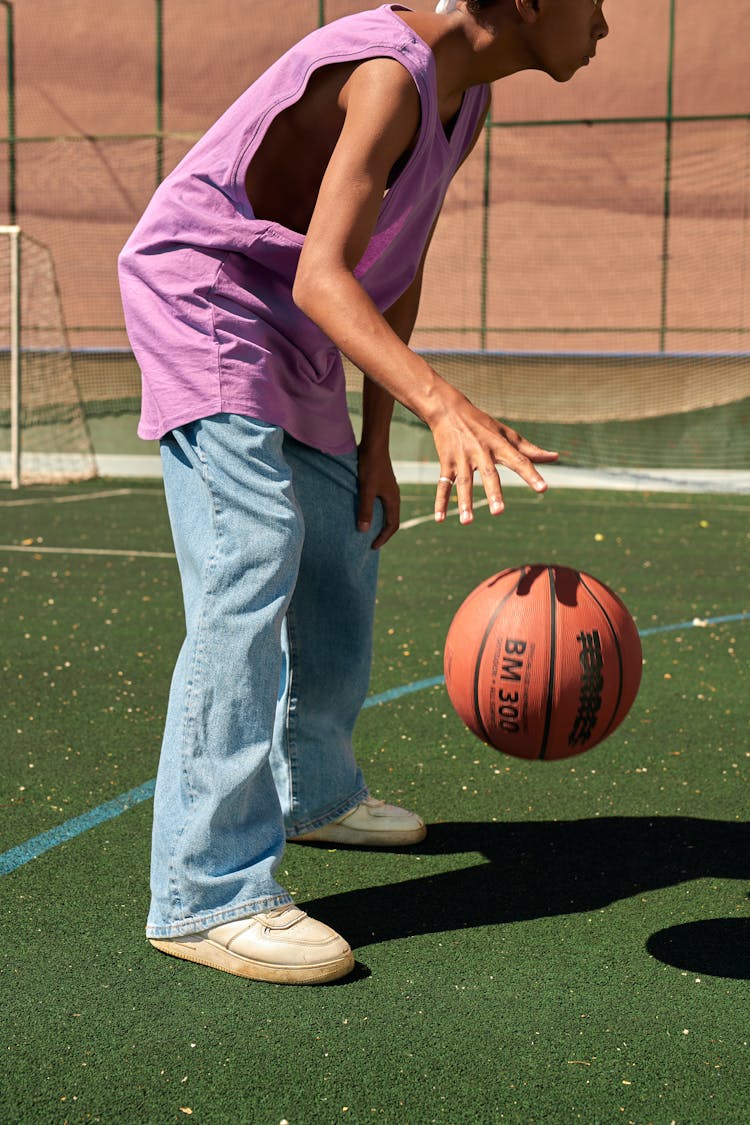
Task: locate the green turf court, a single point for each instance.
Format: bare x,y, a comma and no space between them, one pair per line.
570,944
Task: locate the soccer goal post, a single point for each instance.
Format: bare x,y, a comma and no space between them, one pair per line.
13,234
43,429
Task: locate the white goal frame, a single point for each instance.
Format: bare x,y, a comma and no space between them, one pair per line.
14,314
50,441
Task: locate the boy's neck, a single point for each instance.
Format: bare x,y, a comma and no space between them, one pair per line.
468,52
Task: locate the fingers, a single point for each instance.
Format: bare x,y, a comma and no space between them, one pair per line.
465,496
442,496
464,485
480,447
535,452
389,528
364,513
391,515
527,471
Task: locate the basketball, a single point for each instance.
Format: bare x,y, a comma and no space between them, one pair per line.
542,661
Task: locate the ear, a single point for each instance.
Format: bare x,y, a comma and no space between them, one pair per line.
528,10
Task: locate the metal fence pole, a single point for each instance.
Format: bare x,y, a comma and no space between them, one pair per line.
485,260
10,59
159,84
667,206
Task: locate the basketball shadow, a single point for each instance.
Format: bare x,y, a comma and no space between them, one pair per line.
535,870
718,947
567,582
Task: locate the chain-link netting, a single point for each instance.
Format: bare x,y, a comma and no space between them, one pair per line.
593,260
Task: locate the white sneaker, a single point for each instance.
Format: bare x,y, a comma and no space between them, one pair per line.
371,824
283,946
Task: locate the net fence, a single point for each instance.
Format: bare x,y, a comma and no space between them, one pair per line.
590,276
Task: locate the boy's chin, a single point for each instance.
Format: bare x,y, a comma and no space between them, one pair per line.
565,75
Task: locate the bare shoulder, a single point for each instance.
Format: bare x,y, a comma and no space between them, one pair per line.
376,88
454,46
380,99
427,25
382,78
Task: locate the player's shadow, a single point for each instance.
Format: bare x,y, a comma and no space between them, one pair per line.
542,869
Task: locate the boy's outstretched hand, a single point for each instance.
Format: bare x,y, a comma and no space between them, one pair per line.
468,441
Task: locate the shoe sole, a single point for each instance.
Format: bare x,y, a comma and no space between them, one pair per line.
217,957
340,834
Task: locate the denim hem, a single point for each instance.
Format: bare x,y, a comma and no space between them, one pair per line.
218,917
344,807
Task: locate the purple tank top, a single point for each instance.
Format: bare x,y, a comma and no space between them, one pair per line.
207,287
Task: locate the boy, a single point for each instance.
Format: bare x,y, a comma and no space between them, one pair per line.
297,229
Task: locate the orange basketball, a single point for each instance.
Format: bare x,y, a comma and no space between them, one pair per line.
542,661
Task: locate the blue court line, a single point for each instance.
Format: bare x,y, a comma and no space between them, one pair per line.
38,845
696,623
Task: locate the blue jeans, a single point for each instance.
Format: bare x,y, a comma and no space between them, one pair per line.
279,593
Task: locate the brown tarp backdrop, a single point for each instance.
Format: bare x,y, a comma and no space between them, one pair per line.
593,258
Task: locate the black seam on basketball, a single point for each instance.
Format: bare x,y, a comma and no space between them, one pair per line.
480,650
499,575
616,639
552,654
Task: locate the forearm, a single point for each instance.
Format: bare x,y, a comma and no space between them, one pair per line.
377,402
377,412
375,343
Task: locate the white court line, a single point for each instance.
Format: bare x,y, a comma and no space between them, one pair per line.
86,551
77,498
431,517
417,521
580,501
36,550
405,526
